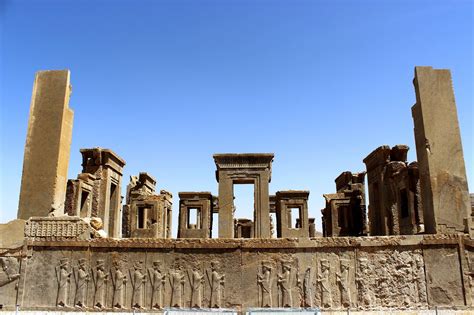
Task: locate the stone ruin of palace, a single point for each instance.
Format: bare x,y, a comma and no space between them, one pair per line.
75,246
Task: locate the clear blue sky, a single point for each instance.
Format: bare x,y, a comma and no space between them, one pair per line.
166,84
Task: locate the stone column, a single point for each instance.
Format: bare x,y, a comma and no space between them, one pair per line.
262,209
226,206
48,146
439,151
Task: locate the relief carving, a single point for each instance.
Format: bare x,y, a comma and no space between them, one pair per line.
307,289
100,278
10,269
177,287
325,285
82,278
196,281
264,281
342,280
157,280
284,284
217,284
119,284
63,276
398,276
364,291
138,280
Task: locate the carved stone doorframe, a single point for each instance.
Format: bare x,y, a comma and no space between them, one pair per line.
245,168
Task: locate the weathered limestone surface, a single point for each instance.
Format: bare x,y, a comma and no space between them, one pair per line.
365,273
48,145
439,150
12,234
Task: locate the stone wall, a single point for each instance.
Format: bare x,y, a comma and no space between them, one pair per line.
401,272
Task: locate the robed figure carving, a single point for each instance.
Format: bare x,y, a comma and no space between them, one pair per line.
157,280
119,282
63,275
264,280
284,282
138,280
100,278
82,278
196,281
217,284
343,280
323,280
177,287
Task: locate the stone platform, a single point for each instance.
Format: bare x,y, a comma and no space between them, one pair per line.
410,273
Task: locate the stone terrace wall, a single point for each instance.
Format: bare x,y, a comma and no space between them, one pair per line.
401,272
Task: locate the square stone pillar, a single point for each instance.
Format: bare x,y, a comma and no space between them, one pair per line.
48,146
439,151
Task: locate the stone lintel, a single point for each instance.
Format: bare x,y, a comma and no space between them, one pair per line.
103,157
292,194
243,160
195,195
147,180
378,157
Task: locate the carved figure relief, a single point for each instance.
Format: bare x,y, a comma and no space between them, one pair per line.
157,280
264,281
63,275
10,269
196,281
398,276
307,289
284,283
342,280
82,278
177,287
119,283
364,291
138,280
217,284
100,278
325,286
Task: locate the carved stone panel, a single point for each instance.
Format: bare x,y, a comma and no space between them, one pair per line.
444,286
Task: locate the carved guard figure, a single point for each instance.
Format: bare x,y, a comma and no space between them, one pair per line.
119,283
177,288
323,280
217,284
264,280
342,280
196,281
100,278
63,275
157,280
284,282
138,280
82,277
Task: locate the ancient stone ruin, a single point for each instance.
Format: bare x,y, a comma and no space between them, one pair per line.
77,247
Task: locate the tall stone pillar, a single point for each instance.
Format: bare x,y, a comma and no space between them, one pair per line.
439,151
48,146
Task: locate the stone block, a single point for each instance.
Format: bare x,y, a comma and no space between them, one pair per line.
439,150
48,146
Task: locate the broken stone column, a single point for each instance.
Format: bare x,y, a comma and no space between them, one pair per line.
439,151
48,146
